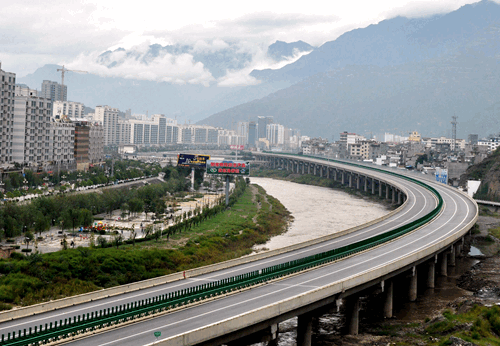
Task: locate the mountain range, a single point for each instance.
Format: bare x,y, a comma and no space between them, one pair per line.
399,75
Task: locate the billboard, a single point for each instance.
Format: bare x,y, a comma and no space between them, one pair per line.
237,147
442,175
191,160
229,167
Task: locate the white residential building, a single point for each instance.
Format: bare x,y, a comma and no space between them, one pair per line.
275,134
7,89
108,118
67,109
62,143
31,130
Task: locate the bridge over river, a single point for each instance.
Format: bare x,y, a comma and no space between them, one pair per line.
243,300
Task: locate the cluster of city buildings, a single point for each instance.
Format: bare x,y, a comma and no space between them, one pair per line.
43,130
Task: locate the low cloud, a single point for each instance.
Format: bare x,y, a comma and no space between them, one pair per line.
176,69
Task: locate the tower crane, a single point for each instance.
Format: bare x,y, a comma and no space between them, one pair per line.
62,77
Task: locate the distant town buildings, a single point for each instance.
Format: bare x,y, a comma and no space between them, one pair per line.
54,91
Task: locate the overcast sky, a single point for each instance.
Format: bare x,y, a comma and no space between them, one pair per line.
75,32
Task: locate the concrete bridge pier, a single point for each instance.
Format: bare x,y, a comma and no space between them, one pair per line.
379,188
365,179
342,176
350,180
373,186
328,172
443,263
352,314
458,250
431,273
321,171
387,191
315,169
399,197
393,195
303,168
304,329
412,290
452,256
388,289
358,182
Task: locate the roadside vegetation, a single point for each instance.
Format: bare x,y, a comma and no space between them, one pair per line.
209,237
75,210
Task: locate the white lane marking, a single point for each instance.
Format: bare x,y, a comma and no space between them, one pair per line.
316,278
95,307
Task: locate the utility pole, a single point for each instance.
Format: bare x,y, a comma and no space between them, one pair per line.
62,78
454,133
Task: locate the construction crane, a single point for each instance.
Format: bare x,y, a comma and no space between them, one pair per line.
62,78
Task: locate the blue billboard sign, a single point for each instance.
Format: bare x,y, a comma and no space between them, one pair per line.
441,175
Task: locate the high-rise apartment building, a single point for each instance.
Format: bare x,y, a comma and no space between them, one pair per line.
31,143
62,144
252,134
54,91
108,118
67,109
7,89
275,134
262,123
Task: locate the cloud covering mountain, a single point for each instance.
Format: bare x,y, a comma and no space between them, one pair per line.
399,75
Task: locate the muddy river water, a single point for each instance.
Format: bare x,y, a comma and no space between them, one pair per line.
319,211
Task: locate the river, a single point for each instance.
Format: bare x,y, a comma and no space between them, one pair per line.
317,211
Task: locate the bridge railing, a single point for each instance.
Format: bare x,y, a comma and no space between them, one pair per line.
104,318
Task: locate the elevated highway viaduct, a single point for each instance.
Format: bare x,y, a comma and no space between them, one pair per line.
240,316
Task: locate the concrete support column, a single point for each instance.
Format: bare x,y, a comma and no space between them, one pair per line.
431,273
350,179
358,182
308,168
373,185
315,168
399,197
379,188
365,179
321,171
328,172
443,268
304,330
352,314
393,195
387,191
458,251
273,333
451,262
388,298
342,176
412,293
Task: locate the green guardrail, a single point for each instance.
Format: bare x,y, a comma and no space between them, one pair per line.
81,324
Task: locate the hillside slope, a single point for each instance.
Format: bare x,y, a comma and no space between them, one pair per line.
488,171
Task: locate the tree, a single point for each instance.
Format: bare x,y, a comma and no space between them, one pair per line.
102,241
133,234
64,242
86,217
71,217
118,240
28,237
